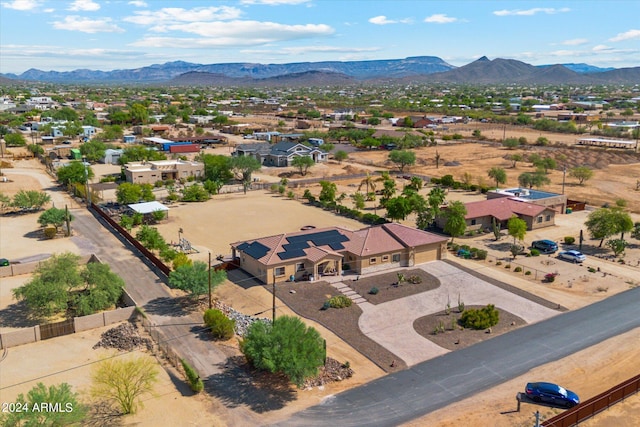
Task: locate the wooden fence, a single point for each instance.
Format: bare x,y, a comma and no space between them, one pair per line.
599,403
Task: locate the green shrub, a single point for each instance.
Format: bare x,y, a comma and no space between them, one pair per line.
517,269
50,232
550,277
221,326
498,262
455,247
569,240
527,273
374,291
507,266
535,252
326,305
195,382
591,270
340,301
466,247
274,188
480,318
481,254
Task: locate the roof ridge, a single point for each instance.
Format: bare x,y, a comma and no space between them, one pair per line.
273,252
394,235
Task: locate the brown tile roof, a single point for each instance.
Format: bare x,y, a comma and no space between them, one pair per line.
502,208
365,242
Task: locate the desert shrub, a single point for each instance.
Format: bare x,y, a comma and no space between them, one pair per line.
374,291
466,247
221,326
415,279
591,270
517,269
340,301
535,252
326,305
507,266
195,382
527,273
550,277
483,318
498,262
455,247
481,254
50,232
274,188
569,240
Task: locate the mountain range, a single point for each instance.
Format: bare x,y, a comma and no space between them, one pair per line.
426,69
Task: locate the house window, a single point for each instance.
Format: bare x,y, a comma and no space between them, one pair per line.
279,271
548,218
385,258
540,219
300,266
373,260
395,258
473,222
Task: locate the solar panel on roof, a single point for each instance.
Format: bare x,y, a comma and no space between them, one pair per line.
255,250
336,246
291,254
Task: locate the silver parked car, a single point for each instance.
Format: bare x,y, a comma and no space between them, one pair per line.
574,256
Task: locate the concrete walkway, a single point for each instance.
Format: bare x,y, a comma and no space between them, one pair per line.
391,324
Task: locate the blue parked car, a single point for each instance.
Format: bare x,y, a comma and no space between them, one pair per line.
552,394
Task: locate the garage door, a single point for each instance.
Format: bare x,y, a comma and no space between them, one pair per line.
426,254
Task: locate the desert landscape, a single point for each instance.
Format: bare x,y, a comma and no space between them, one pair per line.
211,226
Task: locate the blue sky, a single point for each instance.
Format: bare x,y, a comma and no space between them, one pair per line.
63,35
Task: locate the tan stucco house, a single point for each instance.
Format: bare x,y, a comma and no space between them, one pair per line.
160,170
310,254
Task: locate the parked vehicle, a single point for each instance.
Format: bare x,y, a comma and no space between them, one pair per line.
574,256
546,246
551,393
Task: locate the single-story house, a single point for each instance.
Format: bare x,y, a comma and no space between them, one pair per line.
280,154
111,156
555,201
161,170
310,254
481,214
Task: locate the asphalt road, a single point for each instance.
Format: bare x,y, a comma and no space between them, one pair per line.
439,382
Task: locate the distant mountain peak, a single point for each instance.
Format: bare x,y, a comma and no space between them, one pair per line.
483,59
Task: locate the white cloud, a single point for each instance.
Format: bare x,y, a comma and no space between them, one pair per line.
22,4
440,18
382,20
530,12
628,35
234,33
138,3
84,5
170,15
274,2
574,42
86,25
602,48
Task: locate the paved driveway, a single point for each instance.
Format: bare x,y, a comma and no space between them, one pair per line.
391,324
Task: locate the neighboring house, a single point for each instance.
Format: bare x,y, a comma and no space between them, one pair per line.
129,139
481,214
111,156
280,154
555,201
310,254
88,131
161,170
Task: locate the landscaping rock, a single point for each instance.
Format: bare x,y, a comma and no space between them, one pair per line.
124,337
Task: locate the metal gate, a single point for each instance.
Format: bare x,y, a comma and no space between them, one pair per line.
52,330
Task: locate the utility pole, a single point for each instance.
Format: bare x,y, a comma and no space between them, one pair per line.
564,174
210,303
273,289
86,180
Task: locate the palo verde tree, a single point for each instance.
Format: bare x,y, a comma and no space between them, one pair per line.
123,381
606,222
402,158
285,346
302,163
455,223
30,200
581,173
194,278
54,216
74,172
498,175
243,167
35,409
517,228
328,192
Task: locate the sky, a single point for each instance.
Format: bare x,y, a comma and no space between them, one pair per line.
63,35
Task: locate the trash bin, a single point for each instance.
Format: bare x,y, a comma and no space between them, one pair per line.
292,278
569,210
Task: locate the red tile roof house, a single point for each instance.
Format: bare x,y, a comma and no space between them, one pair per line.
329,251
480,214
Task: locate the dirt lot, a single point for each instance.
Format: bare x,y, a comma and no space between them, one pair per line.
227,218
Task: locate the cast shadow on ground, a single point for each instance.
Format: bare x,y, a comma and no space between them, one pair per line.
240,385
243,279
180,384
35,234
171,306
16,315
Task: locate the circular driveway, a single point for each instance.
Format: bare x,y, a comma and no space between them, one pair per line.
391,324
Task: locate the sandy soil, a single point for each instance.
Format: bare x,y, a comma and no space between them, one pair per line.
213,225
